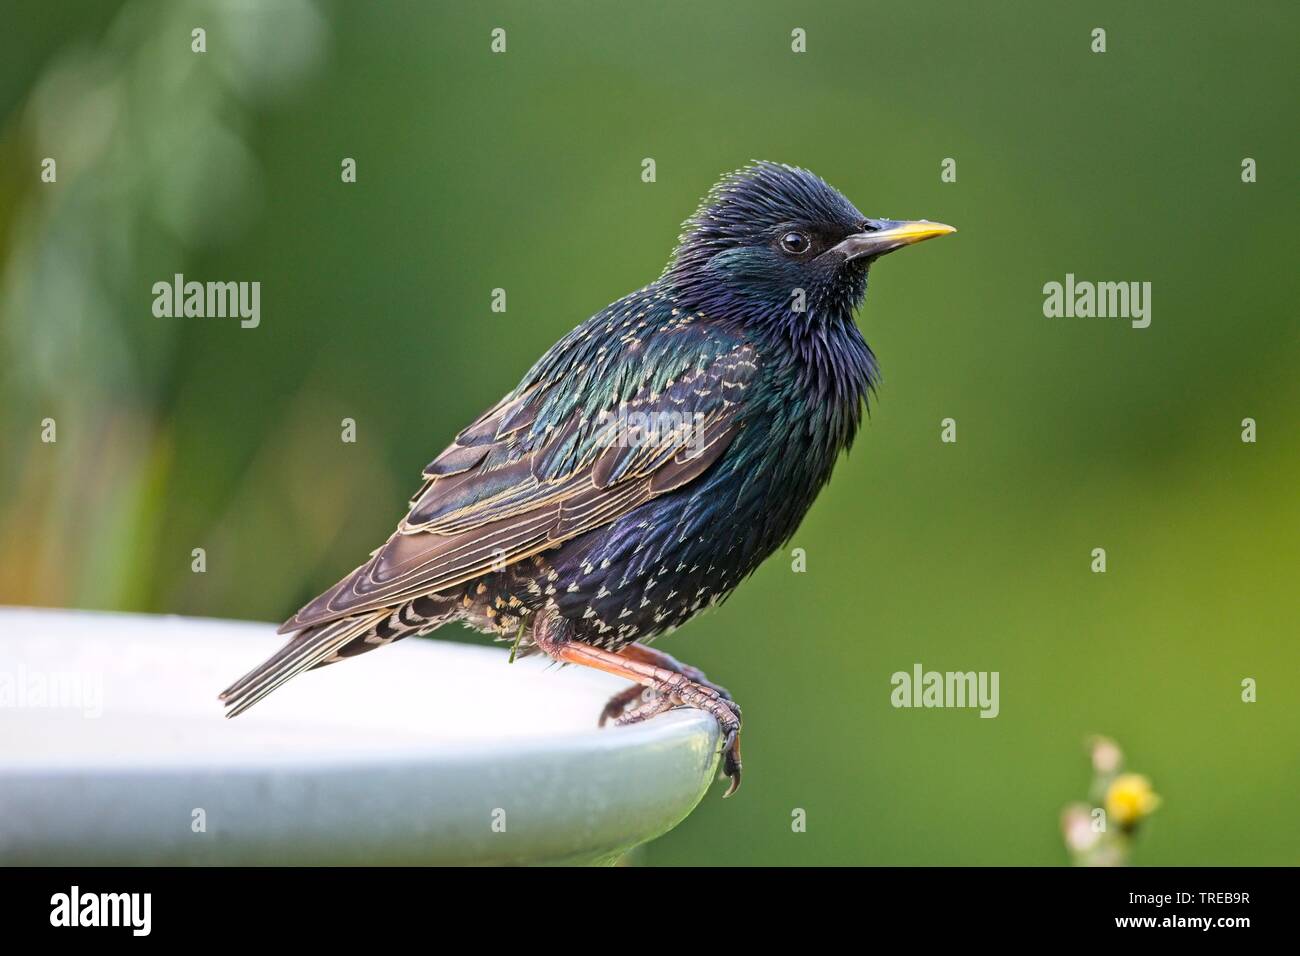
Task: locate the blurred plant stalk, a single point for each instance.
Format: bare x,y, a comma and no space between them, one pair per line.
154,167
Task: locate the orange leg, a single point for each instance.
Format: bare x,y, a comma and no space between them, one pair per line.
673,683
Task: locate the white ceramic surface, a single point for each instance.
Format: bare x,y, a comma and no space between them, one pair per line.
112,741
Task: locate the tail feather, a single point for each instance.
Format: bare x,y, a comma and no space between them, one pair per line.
420,616
305,650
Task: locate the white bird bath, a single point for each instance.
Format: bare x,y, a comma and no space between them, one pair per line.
114,751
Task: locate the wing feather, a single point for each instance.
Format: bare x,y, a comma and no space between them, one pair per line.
511,487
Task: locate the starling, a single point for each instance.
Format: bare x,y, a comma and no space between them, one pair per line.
644,466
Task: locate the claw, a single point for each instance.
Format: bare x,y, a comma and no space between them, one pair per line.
731,761
617,704
727,714
674,685
677,691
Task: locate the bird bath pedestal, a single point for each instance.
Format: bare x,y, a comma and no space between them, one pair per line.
114,750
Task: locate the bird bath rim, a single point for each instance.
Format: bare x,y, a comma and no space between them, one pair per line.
283,782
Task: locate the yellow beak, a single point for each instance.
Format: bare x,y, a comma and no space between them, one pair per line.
886,235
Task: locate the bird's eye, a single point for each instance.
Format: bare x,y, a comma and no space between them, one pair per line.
795,243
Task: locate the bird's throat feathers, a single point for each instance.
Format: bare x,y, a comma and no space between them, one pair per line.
813,345
833,362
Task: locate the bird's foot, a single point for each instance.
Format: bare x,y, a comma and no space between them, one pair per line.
645,698
678,685
669,682
679,691
642,695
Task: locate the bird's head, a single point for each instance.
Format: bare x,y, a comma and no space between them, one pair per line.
773,242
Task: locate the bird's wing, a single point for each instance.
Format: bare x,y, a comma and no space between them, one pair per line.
562,454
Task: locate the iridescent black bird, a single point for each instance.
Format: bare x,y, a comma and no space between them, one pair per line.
645,465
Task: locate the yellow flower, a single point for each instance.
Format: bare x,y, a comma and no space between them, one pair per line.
1129,799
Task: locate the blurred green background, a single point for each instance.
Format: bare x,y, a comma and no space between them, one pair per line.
522,171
